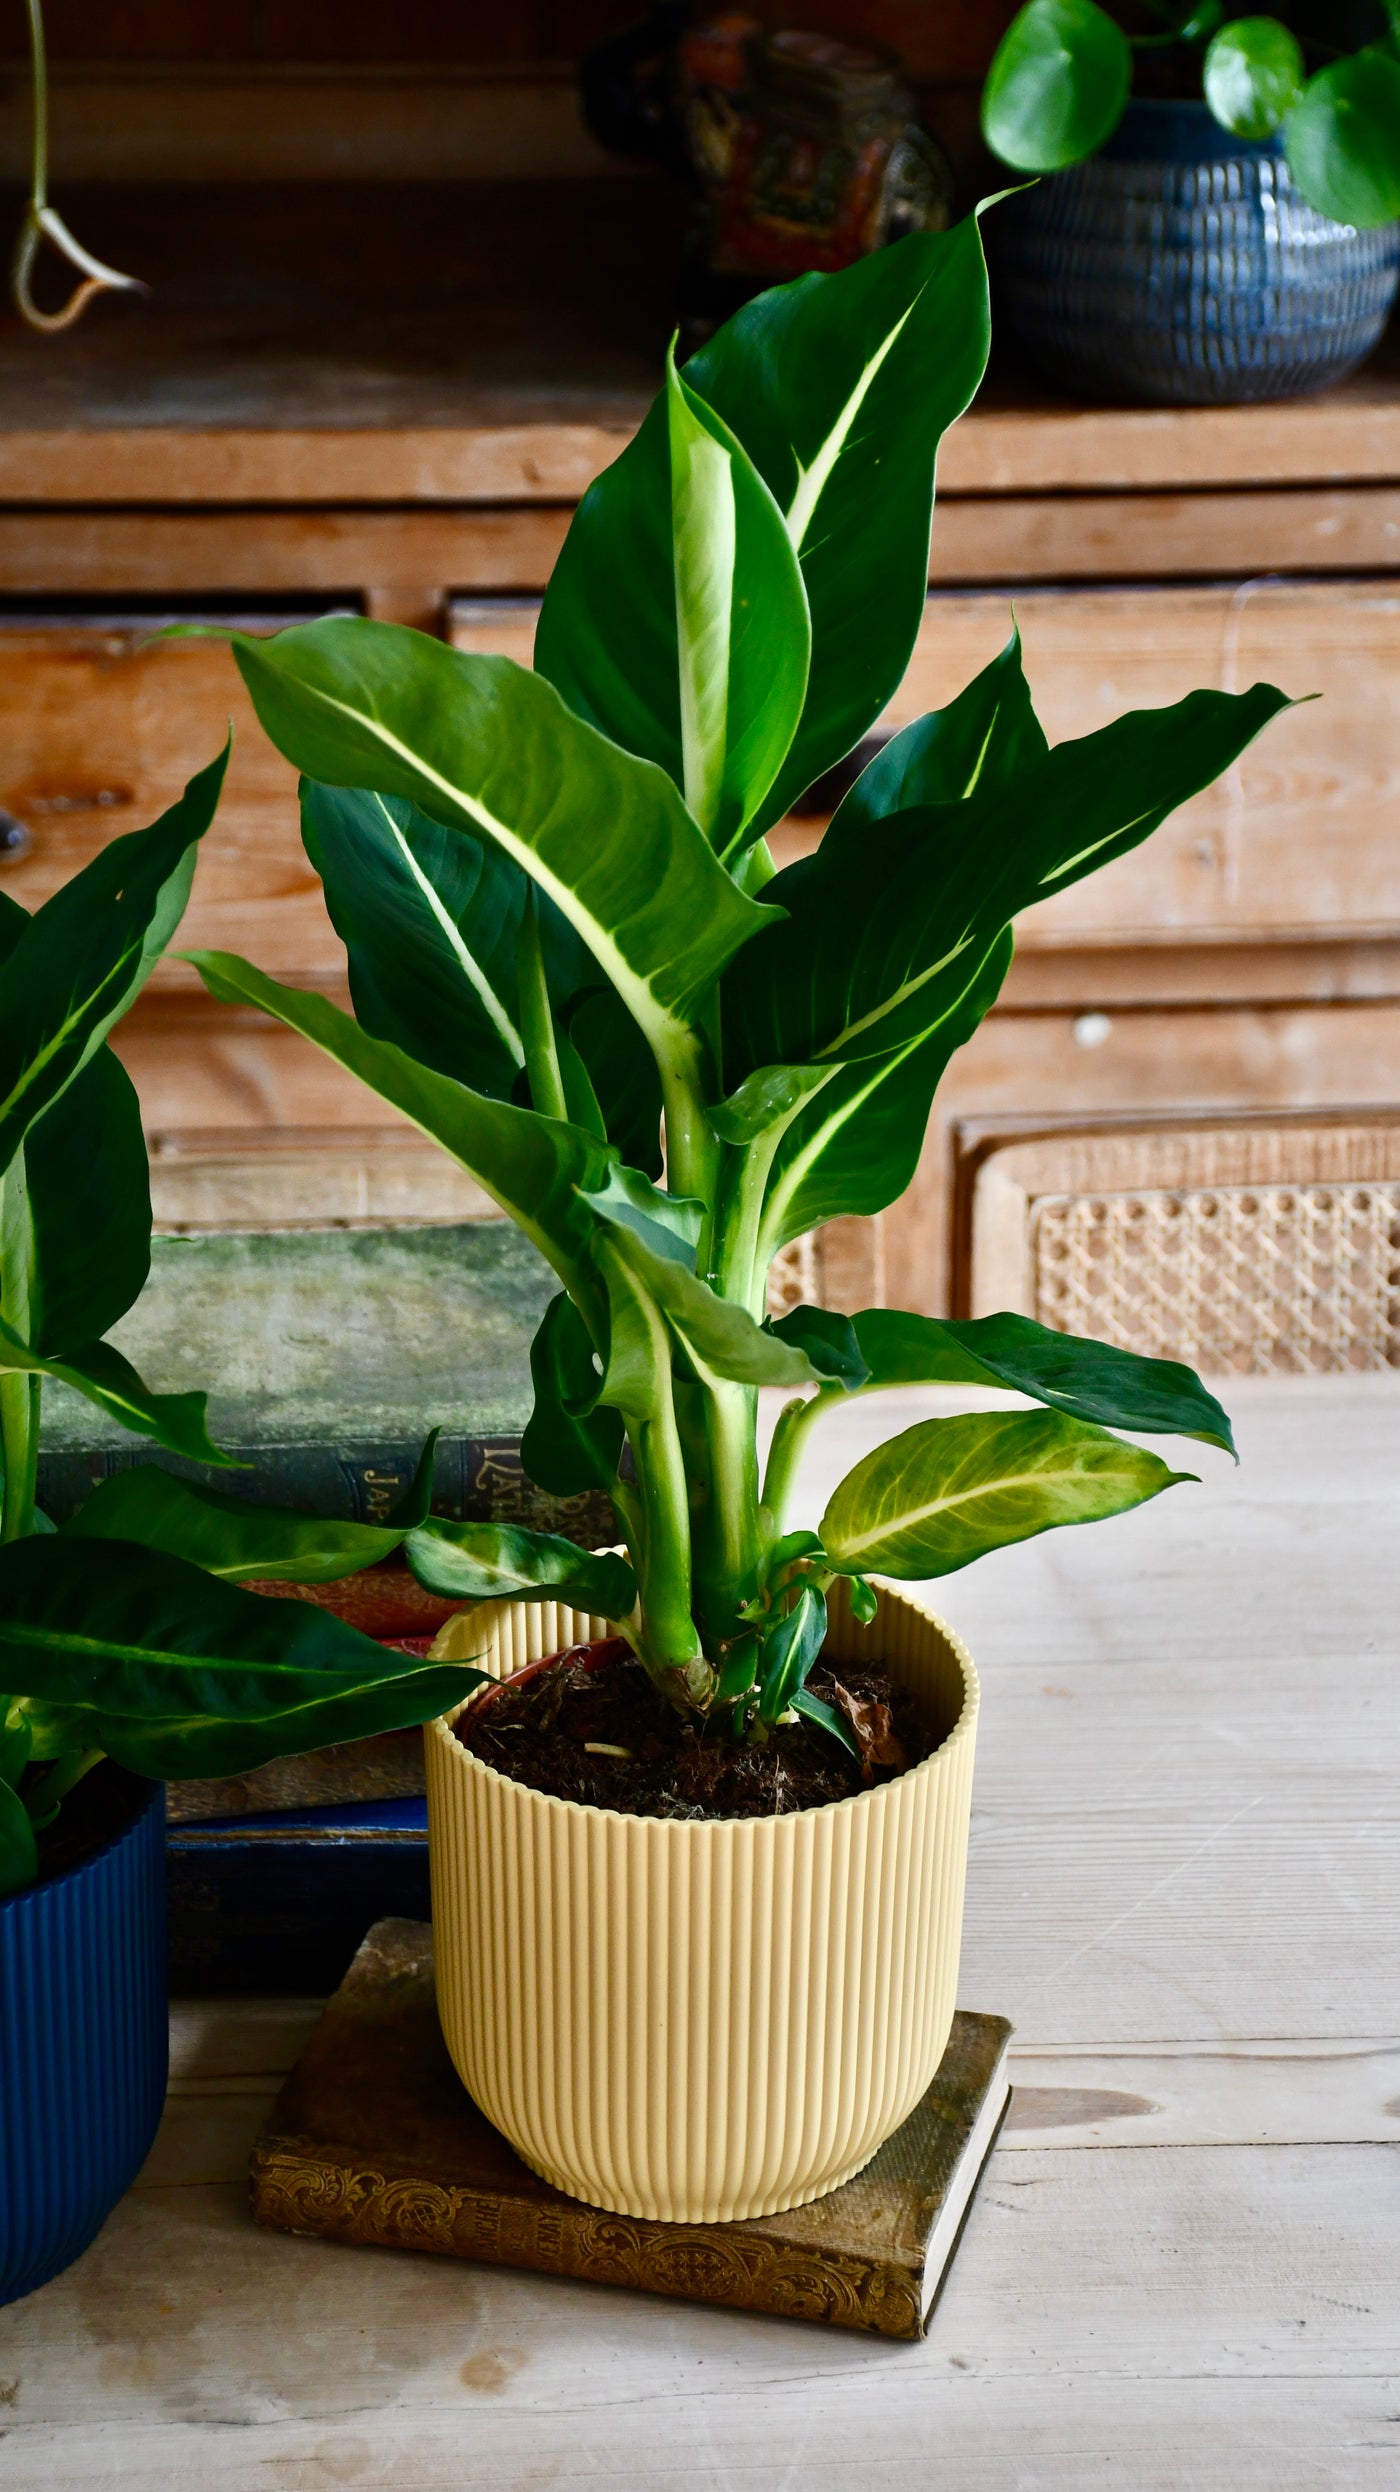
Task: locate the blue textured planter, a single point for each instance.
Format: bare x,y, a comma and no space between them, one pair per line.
83,2046
1179,265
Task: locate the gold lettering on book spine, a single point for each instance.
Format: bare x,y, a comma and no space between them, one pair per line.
293,2192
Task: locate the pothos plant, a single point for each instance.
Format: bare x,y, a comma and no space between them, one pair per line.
573,965
126,1634
1063,72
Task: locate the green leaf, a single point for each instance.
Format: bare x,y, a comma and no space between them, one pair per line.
1088,1379
825,1716
1058,83
488,747
104,1377
789,1650
533,1166
1254,75
85,955
865,1601
174,1674
856,1147
563,1452
829,1341
983,740
742,633
89,1192
431,919
234,1539
883,931
676,620
1342,140
19,1853
501,1562
720,1337
947,1491
838,389
768,1097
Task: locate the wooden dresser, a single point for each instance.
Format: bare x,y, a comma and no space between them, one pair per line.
388,400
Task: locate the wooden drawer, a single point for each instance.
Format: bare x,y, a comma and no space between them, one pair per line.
100,727
1301,841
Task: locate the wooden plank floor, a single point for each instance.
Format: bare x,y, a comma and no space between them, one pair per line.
1182,2273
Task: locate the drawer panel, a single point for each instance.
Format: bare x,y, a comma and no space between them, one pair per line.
100,728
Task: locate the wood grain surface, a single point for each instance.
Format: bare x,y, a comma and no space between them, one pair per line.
1183,2268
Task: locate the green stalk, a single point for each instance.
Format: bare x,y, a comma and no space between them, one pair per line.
60,1779
789,1437
728,1533
537,1018
19,1394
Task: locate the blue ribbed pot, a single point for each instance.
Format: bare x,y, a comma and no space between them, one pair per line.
84,2039
1180,265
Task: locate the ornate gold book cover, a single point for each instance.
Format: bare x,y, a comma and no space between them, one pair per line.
374,2139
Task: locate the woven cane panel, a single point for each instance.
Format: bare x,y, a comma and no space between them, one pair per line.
1249,1280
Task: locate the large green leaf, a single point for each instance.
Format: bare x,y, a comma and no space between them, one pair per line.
564,1452
985,738
838,388
85,955
883,929
174,1674
104,1377
235,1539
1089,1379
856,1146
502,1562
533,1166
89,1203
1343,140
430,919
676,619
947,1491
486,746
1057,85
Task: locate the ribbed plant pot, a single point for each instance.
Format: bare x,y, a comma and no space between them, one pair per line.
84,2037
696,2021
1180,266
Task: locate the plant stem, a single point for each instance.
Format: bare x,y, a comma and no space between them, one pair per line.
537,1018
789,1437
728,1533
19,1393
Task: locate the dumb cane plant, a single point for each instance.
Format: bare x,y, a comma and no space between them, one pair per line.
567,941
126,1634
1062,74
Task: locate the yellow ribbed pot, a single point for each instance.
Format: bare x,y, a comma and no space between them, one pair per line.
699,2021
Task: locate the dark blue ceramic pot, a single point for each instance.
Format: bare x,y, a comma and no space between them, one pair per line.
83,2044
1180,265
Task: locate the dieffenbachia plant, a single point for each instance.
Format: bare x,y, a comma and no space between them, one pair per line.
573,965
1062,74
117,1636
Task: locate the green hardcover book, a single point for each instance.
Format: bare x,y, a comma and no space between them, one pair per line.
374,2139
327,1355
